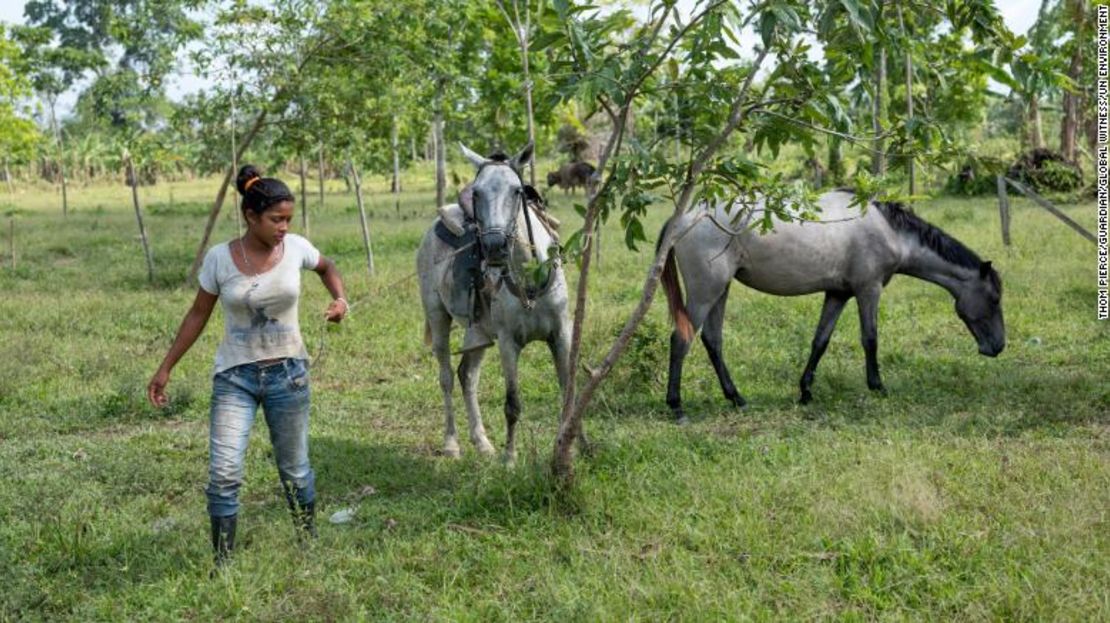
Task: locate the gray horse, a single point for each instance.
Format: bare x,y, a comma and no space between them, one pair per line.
512,241
847,254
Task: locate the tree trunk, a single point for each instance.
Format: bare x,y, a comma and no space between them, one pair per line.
11,238
362,217
878,110
61,163
221,195
412,147
441,149
139,217
910,157
1069,126
1003,208
836,160
1092,129
396,184
235,171
522,29
8,177
1033,124
909,98
528,103
304,197
320,176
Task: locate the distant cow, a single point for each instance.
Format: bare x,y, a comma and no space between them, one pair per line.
571,175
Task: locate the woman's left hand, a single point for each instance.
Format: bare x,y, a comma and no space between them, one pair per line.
337,310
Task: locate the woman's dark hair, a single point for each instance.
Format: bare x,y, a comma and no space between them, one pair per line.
260,193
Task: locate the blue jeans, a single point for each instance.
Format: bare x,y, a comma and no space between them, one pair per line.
281,388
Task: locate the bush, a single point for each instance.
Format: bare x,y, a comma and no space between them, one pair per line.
977,176
1045,170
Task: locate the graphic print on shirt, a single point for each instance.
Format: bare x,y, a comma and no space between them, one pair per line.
259,319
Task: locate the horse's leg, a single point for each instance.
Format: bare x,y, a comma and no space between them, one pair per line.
679,349
712,338
830,312
440,326
868,300
697,309
469,369
510,355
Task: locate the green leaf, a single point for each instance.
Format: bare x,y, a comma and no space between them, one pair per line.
633,233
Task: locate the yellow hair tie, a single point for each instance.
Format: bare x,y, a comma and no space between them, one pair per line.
251,181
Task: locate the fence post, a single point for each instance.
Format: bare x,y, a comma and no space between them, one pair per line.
1004,210
134,180
362,217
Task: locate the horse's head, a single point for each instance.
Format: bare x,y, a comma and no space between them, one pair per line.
979,305
498,197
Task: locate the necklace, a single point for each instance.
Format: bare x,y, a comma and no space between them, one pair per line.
255,274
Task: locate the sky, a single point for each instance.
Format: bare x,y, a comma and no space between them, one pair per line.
1019,15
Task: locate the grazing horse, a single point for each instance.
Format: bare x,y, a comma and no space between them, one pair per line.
846,254
571,175
509,237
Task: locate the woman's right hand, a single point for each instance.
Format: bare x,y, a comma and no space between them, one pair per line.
156,390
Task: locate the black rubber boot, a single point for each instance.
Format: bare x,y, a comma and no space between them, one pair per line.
307,520
223,538
304,517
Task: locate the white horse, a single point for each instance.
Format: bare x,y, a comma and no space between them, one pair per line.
514,308
847,255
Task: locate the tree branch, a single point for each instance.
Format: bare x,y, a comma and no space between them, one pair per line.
735,117
857,140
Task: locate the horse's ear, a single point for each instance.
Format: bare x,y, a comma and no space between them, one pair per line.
984,269
523,158
474,158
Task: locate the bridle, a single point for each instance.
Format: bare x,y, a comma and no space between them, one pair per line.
526,294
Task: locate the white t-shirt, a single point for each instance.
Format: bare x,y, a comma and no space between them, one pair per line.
260,313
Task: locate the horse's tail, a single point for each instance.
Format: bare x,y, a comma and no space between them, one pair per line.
673,290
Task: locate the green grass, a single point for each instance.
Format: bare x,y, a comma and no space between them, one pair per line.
976,489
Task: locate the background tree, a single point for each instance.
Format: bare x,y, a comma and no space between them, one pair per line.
1039,72
519,14
1078,20
18,134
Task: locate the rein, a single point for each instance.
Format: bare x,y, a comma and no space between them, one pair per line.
509,276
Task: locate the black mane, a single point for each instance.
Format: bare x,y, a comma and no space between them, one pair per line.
930,236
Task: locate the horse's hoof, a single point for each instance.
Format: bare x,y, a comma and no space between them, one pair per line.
682,420
485,448
738,401
805,398
509,459
451,452
878,389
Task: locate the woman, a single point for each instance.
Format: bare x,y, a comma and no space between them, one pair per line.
262,359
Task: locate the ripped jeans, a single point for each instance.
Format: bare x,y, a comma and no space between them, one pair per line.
281,388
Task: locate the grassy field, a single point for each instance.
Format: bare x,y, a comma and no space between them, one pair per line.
976,489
